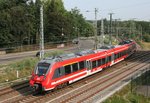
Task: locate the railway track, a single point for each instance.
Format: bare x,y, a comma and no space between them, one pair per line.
24,94
19,86
92,87
99,85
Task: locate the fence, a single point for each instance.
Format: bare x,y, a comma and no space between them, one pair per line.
12,48
140,84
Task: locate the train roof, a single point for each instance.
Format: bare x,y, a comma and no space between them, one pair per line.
62,57
85,52
49,60
106,47
53,59
66,56
118,46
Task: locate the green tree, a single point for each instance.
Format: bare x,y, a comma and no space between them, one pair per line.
20,22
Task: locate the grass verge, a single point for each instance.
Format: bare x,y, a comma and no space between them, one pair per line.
24,67
126,96
146,45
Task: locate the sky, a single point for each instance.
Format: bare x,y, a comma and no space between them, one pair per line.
122,9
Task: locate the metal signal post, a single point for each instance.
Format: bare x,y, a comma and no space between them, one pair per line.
41,33
96,39
110,31
95,28
102,32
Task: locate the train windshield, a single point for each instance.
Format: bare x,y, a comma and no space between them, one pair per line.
42,68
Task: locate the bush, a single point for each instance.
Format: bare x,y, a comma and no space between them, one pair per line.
24,67
146,37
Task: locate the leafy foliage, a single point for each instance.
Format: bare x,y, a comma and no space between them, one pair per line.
130,29
24,67
20,22
125,96
146,38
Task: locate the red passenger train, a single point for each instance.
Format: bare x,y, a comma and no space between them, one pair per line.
57,71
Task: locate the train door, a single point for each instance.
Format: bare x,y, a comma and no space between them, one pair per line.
88,66
112,58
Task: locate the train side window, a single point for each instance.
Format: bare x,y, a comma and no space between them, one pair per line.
94,64
123,53
75,67
67,69
61,71
109,59
81,65
115,56
118,55
103,61
99,62
56,74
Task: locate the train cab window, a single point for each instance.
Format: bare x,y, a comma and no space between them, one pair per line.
81,65
42,68
99,62
75,67
67,69
94,64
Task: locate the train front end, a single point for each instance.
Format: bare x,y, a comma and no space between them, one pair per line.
39,80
